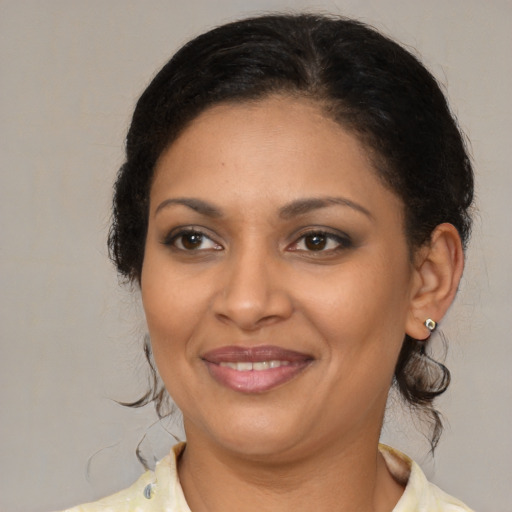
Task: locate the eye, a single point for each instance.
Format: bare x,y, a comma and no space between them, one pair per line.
191,240
321,241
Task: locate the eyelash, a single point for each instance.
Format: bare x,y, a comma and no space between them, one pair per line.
174,237
342,242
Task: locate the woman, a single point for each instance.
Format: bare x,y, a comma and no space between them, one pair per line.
294,207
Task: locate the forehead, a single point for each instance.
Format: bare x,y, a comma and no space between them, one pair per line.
278,147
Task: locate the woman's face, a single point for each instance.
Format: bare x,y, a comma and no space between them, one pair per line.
276,279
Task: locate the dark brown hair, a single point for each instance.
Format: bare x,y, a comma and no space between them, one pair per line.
366,82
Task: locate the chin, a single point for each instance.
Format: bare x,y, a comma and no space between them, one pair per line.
257,446
252,434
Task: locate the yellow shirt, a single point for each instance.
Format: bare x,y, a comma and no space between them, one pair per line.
160,491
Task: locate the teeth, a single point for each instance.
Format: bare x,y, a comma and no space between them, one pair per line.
261,365
228,365
277,364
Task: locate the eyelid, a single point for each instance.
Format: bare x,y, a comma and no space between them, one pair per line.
171,236
343,239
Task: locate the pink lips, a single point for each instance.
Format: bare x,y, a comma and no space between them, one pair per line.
254,369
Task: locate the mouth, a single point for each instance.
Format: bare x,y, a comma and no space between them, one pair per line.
254,369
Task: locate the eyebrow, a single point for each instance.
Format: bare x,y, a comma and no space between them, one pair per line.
197,205
293,209
303,206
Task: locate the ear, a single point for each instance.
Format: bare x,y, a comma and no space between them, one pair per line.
438,269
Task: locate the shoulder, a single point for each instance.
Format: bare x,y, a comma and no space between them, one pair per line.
154,491
419,493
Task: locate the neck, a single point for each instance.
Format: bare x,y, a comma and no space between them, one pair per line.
351,476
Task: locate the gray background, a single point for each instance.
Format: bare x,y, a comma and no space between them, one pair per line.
70,73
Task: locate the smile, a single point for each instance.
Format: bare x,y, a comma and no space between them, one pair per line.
248,366
254,369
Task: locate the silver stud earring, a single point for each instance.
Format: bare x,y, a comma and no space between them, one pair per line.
430,324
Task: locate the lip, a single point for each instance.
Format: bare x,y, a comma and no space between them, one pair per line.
254,381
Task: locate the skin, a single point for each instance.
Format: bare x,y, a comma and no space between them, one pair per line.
256,279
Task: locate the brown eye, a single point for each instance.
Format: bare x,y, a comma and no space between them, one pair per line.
321,242
191,241
315,241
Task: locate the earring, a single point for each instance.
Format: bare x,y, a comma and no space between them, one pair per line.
430,324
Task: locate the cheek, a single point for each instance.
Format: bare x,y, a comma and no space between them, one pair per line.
171,306
170,324
362,297
361,314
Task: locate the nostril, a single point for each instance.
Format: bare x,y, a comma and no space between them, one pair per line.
251,293
253,314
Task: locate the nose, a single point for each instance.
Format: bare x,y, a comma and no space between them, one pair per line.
253,291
